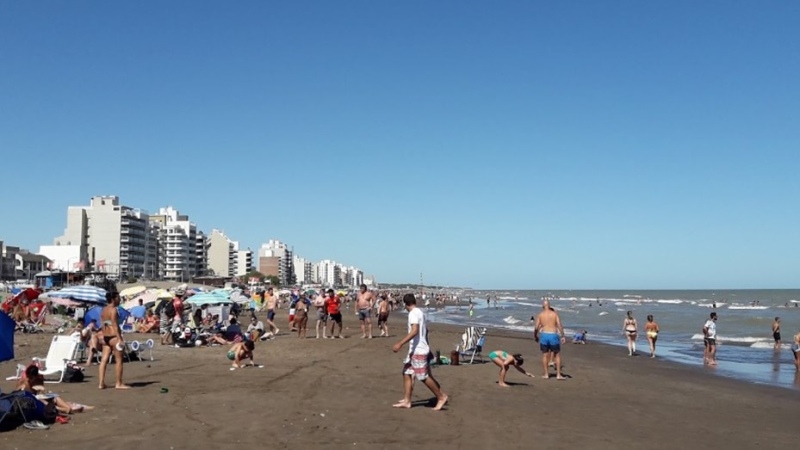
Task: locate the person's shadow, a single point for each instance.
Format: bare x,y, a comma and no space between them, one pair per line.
138,384
511,383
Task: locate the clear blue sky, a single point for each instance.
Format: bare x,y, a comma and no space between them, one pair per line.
518,144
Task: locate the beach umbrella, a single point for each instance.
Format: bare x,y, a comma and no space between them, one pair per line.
208,298
139,311
311,292
27,294
6,338
94,313
63,302
149,296
132,291
83,293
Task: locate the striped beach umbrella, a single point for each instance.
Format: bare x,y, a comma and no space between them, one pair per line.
83,293
208,298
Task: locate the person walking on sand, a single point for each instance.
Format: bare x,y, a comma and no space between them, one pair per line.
270,303
112,338
651,330
550,332
505,361
710,340
383,315
630,329
776,333
417,363
364,304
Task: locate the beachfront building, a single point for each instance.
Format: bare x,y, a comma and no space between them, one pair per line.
222,254
201,253
177,238
20,264
352,276
110,237
328,273
244,262
65,258
303,272
275,259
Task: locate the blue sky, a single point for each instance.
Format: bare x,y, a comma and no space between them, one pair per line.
517,144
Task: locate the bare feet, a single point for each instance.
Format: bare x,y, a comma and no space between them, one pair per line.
712,363
402,404
546,376
122,386
503,384
102,386
442,401
560,377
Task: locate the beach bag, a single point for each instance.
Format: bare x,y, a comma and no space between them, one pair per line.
73,374
169,309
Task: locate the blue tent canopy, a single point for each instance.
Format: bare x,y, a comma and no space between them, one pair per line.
94,313
6,338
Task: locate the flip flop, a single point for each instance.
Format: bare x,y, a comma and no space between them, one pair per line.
62,419
36,425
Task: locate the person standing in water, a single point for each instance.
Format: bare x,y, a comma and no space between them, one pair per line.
796,351
112,338
710,340
630,329
776,333
651,330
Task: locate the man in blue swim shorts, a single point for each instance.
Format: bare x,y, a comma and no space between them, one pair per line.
551,335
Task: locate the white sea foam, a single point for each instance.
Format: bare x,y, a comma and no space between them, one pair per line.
746,339
768,345
671,302
747,307
604,313
511,320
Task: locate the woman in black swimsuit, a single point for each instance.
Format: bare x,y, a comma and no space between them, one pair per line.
112,336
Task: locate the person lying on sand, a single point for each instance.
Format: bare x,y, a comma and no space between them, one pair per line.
503,360
33,382
241,351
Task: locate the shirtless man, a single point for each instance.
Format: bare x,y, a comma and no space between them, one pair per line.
551,335
383,315
270,303
364,304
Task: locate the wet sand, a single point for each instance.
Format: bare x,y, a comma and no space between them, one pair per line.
338,394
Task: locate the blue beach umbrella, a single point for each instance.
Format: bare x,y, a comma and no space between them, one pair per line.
85,293
208,298
6,338
94,313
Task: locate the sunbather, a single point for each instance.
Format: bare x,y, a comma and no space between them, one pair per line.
150,323
112,337
505,361
241,351
33,382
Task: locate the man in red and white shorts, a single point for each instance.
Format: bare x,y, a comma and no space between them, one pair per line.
417,364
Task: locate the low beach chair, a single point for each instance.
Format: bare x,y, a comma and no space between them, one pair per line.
62,350
471,345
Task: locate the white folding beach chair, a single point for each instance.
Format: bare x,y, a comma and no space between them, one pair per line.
140,347
62,350
472,342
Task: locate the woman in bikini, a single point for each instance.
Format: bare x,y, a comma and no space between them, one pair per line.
301,316
112,340
630,329
651,329
505,361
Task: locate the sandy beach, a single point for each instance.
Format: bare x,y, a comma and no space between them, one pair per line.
338,394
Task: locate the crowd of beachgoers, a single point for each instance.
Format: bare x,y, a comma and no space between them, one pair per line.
238,319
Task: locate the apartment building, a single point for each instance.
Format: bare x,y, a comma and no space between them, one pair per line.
177,239
275,259
110,237
222,254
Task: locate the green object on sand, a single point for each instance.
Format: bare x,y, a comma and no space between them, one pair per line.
164,390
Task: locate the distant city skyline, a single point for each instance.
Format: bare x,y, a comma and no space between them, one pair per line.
523,145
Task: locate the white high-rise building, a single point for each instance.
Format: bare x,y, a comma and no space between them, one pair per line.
110,237
244,262
303,272
177,239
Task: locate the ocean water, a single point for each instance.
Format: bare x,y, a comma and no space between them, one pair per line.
744,325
